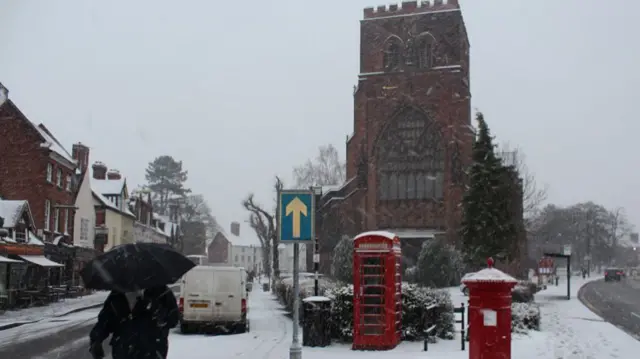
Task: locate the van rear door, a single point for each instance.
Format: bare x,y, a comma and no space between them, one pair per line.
198,294
228,295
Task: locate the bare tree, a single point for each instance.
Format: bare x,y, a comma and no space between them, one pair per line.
326,169
266,226
533,194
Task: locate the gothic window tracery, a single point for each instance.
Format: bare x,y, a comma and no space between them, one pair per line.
411,158
393,54
425,45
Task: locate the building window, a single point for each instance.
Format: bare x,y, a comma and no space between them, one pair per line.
49,172
47,215
424,49
392,54
56,220
242,259
66,221
59,178
236,258
68,183
84,230
411,158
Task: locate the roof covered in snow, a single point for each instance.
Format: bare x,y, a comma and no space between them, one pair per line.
11,211
107,186
53,144
490,275
109,204
169,227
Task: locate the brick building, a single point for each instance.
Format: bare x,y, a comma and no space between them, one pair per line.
34,166
412,136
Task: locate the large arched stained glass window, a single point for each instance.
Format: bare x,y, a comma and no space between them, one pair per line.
410,158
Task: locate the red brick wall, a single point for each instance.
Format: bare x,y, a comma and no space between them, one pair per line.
218,251
442,92
23,169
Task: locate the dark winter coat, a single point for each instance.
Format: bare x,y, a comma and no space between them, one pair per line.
141,332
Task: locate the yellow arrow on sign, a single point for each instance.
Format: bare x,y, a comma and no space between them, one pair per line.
296,208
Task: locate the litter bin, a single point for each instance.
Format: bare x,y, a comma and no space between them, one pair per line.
316,331
265,287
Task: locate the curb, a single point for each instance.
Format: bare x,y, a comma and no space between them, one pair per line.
72,311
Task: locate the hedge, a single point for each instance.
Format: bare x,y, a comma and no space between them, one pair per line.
525,316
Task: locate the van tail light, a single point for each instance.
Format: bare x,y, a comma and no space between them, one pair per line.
619,273
181,305
244,306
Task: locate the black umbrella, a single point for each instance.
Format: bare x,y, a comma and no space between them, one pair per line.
130,267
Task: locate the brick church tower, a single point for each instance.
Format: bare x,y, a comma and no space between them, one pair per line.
412,136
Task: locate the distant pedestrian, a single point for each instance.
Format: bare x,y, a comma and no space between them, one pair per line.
584,273
138,322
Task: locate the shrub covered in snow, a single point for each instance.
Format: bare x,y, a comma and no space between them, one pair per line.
342,264
525,317
439,265
524,291
414,303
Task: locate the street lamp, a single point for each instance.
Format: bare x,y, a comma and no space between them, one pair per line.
317,192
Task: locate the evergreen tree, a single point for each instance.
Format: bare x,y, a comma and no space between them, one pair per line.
166,180
488,226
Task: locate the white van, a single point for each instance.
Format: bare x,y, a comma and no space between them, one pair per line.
214,296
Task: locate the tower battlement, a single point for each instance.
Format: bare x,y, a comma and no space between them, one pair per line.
410,7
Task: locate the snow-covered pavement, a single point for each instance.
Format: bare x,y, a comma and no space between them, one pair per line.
569,331
34,314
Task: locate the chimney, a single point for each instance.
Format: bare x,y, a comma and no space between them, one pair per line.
80,153
99,170
114,174
235,228
4,94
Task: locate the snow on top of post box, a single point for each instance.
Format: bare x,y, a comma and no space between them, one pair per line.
376,233
490,274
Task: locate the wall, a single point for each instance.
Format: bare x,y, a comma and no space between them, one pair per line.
127,229
219,250
146,234
286,258
247,256
23,167
83,236
113,221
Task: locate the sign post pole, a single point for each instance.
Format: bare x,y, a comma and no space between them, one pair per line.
296,224
296,349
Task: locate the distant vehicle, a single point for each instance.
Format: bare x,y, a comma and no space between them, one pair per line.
613,274
463,288
199,260
214,297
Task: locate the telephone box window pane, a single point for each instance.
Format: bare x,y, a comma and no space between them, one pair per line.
369,330
377,290
372,310
373,319
378,280
373,300
372,261
372,270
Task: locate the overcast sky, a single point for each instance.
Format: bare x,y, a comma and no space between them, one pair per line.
242,91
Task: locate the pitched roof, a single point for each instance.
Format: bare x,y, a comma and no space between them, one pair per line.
51,142
12,210
108,186
112,206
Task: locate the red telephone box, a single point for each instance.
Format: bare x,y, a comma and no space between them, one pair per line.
377,291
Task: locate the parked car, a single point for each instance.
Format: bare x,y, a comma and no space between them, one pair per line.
613,274
463,288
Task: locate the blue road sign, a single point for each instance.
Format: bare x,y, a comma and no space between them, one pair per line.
297,216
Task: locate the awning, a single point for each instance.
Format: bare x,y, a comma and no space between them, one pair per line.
8,260
41,261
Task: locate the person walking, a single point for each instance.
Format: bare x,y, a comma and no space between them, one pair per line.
138,323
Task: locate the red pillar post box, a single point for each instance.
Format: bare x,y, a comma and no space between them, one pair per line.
490,313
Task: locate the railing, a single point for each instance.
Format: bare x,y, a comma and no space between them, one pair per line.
464,327
429,323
